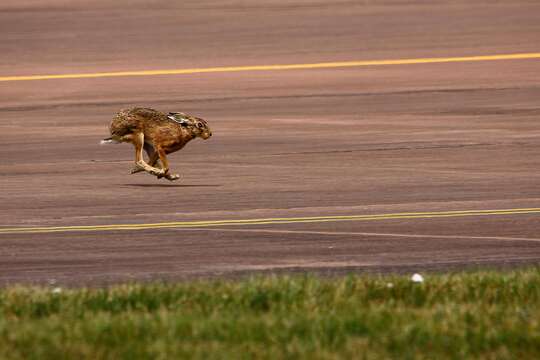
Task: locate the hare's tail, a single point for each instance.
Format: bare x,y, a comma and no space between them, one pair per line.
109,141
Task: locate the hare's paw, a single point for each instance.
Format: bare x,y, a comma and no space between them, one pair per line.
172,177
137,168
158,172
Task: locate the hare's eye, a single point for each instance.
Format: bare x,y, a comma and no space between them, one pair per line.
199,125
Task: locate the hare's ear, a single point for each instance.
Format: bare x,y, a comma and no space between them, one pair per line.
176,115
178,118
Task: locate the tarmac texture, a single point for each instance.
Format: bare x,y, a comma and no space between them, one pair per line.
404,166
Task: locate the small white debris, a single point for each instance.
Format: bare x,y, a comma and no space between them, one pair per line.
389,285
52,282
330,247
56,290
417,278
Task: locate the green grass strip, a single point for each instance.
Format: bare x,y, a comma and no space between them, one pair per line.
483,314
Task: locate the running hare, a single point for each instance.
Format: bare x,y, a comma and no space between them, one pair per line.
158,133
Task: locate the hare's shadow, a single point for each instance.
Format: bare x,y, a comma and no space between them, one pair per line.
170,185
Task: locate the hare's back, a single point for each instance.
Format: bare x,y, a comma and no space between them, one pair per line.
127,121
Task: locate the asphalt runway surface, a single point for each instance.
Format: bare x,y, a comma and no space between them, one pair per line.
403,167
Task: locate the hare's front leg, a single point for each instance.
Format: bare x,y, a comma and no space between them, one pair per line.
165,165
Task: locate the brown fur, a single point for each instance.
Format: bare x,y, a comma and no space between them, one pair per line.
158,134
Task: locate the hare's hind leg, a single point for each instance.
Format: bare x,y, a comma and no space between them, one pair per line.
153,158
138,141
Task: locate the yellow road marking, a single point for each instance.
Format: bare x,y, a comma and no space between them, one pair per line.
357,233
277,67
267,221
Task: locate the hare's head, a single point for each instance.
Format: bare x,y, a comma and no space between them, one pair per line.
201,128
197,126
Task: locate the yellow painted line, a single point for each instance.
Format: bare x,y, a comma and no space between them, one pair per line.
267,221
322,65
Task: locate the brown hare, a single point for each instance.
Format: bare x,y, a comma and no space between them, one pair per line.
158,134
